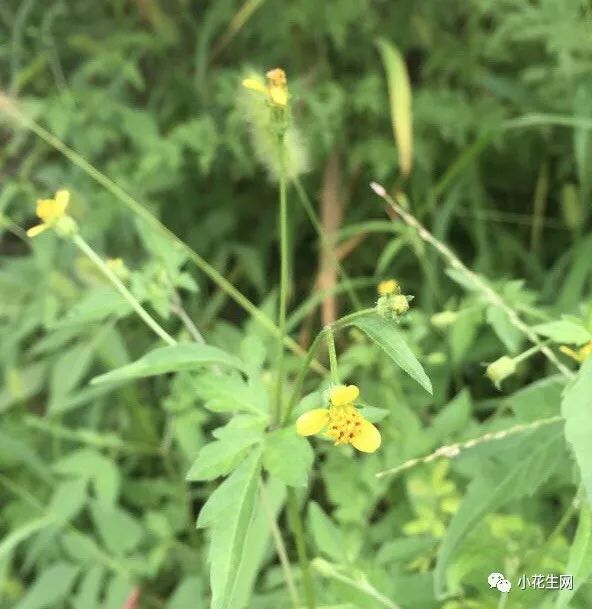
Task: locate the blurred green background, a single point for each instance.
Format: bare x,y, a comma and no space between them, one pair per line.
94,506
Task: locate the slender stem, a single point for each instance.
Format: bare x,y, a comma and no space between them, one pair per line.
10,108
450,451
283,230
346,320
84,247
298,532
332,355
528,353
491,295
327,242
301,374
279,545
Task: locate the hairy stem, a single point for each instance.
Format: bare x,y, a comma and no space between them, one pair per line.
493,297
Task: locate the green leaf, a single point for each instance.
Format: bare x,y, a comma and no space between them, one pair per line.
576,408
288,456
579,563
51,586
95,306
222,456
68,499
534,462
89,464
511,337
119,531
11,541
257,541
400,102
564,331
89,590
186,356
389,339
228,512
328,537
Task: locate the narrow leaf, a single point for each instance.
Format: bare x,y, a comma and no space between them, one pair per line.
400,102
228,512
185,356
389,339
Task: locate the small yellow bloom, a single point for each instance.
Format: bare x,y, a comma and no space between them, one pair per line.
580,355
389,286
49,211
276,88
342,420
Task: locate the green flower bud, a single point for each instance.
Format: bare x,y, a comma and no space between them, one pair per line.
500,369
65,226
443,319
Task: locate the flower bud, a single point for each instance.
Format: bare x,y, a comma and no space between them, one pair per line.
443,319
400,304
500,369
65,226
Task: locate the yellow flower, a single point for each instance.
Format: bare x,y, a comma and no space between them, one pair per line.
580,355
49,211
389,286
342,420
276,89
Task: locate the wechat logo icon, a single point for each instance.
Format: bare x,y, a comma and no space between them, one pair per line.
497,580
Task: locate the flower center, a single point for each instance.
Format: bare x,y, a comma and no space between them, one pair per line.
344,423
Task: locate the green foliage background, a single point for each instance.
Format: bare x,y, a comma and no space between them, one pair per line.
94,505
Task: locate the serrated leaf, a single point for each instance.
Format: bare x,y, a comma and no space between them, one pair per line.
576,408
389,339
288,456
220,457
579,563
400,102
536,462
186,356
228,512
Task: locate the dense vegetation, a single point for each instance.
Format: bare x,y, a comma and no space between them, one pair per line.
150,378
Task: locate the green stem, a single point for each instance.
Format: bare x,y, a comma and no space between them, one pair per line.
283,229
346,320
7,106
526,354
332,355
328,242
298,532
302,374
85,248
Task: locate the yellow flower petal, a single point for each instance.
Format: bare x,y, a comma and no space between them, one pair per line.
388,286
342,395
254,85
312,422
62,198
45,209
37,230
368,439
570,353
278,95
